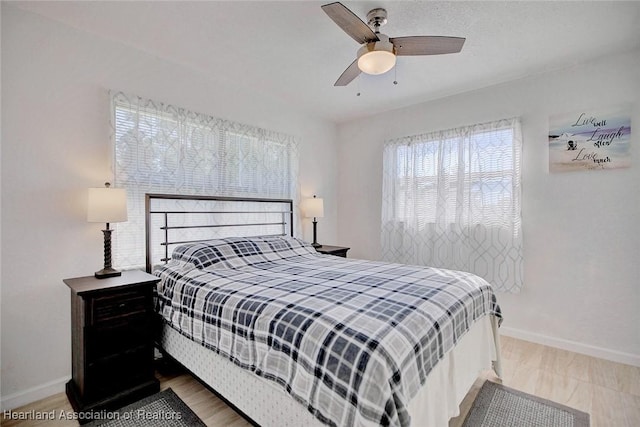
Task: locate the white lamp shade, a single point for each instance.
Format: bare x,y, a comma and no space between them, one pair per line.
107,205
376,62
377,57
313,208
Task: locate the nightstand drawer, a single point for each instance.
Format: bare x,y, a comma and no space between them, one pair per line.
103,340
110,374
110,307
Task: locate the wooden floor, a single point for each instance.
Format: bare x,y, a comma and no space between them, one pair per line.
609,391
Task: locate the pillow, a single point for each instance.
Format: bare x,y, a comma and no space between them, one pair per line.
234,252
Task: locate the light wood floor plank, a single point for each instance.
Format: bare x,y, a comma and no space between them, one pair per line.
609,391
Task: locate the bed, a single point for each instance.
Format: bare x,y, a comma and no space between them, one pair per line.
289,336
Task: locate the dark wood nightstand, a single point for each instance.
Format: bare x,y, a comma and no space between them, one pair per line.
333,250
111,341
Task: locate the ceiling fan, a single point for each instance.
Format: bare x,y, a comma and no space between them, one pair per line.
378,52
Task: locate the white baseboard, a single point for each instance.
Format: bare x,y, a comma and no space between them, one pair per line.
32,394
576,347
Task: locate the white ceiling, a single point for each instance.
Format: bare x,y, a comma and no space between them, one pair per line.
291,50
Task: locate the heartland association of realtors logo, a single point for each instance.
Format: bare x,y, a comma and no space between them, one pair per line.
53,415
587,140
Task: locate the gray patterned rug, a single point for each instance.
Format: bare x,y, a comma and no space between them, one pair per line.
164,409
500,406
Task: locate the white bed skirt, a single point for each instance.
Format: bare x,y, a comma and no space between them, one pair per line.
268,405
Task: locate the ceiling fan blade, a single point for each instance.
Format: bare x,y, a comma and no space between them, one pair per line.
349,22
427,45
348,75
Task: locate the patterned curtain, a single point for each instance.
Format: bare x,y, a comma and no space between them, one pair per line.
161,148
451,199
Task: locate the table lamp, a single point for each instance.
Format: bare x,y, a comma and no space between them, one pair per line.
314,208
107,205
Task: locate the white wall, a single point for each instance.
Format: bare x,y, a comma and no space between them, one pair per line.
581,229
56,144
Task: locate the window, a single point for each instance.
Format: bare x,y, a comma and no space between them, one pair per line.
161,148
451,199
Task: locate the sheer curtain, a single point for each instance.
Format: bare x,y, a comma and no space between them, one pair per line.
451,199
161,148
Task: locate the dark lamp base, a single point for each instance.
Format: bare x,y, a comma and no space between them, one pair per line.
316,245
107,272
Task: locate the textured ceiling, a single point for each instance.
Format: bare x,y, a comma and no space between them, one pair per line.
293,51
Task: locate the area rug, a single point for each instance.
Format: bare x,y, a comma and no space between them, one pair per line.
500,406
164,409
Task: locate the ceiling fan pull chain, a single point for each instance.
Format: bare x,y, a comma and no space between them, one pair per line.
395,74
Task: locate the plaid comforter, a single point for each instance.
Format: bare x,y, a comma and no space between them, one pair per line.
352,340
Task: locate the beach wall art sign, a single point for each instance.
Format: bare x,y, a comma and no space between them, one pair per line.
590,139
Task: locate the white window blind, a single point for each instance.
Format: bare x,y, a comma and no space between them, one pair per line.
160,148
451,199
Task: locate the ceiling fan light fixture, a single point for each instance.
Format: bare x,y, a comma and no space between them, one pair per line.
376,57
